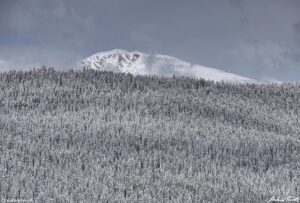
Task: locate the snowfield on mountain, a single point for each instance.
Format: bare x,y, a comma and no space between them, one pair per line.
139,63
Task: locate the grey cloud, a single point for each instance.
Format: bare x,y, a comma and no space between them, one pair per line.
294,56
237,4
297,27
206,32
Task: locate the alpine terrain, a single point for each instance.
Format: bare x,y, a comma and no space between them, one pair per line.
138,63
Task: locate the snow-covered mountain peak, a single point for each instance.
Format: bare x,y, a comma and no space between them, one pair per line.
136,62
115,60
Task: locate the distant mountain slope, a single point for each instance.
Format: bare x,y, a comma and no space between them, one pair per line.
140,63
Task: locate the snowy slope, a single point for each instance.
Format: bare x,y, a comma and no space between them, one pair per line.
136,62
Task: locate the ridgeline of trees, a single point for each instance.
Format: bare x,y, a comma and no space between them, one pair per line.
90,136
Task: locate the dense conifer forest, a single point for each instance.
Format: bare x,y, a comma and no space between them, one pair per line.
91,136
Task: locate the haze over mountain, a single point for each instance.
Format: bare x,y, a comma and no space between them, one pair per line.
139,63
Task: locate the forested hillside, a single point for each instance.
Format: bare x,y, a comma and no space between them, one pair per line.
91,136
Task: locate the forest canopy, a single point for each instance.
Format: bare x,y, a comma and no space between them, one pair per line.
90,136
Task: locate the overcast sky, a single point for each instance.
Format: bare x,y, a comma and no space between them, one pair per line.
253,38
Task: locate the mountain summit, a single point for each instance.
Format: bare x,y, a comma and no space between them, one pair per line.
138,63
